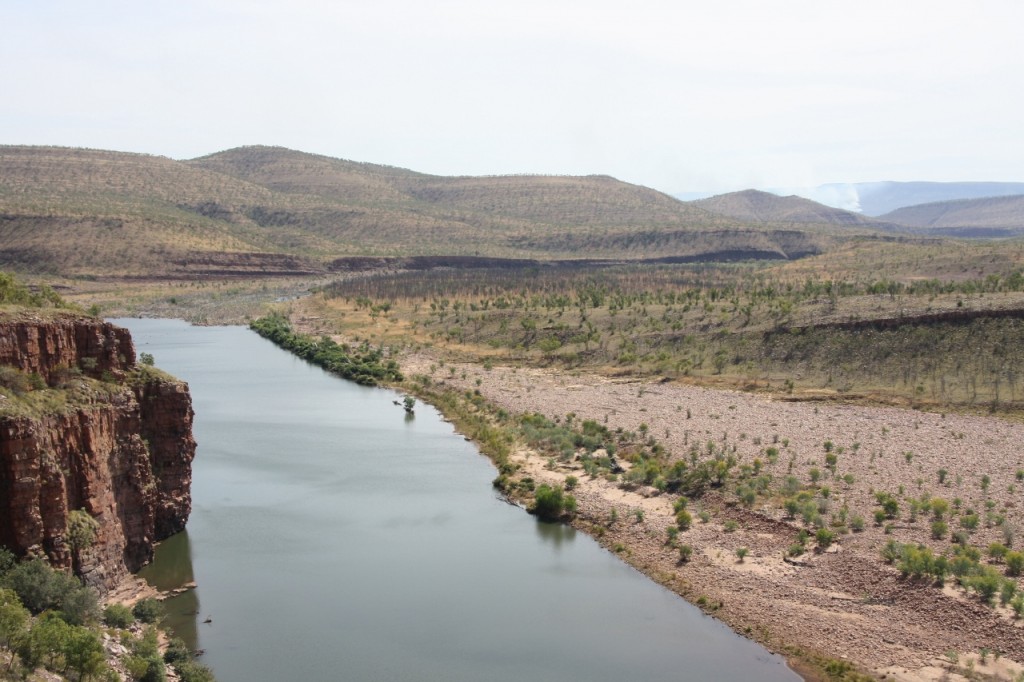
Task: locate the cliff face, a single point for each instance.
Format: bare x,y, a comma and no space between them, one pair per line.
48,344
121,450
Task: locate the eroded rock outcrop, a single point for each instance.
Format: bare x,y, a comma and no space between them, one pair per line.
119,449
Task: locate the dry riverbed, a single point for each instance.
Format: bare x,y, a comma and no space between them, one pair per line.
844,603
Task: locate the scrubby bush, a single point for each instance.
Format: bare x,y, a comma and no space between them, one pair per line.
176,652
191,671
118,616
1014,563
81,529
551,502
146,664
147,610
824,538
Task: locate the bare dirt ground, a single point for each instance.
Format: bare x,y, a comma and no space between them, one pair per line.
844,603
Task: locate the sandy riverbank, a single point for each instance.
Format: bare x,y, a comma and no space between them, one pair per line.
845,603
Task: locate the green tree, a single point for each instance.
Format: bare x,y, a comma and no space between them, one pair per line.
40,587
45,641
83,652
13,622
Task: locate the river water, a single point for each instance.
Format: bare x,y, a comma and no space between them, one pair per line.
332,538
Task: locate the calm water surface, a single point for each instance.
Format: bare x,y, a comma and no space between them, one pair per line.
333,539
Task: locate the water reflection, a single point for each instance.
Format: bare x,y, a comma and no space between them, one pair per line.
172,569
555,534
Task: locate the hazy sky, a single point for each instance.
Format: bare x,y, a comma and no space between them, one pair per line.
680,96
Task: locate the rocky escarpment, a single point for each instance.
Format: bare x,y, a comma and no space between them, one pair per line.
97,435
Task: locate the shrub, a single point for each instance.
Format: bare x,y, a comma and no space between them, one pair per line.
892,551
673,534
939,530
684,519
940,508
685,552
1007,591
551,502
1014,563
986,583
147,610
176,652
14,379
118,616
824,538
147,665
191,671
81,529
741,553
730,526
1017,604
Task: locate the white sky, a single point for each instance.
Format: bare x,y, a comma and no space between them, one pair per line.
680,96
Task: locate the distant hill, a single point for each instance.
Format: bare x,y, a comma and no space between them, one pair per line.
755,206
989,217
880,198
274,211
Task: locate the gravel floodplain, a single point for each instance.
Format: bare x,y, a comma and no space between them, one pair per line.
843,603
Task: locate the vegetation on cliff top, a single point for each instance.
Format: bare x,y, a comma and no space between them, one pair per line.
13,292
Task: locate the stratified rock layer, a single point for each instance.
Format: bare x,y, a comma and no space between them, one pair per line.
122,454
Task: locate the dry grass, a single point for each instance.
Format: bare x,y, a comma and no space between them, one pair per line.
84,212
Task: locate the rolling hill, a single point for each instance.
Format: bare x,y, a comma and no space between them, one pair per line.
986,217
267,210
755,206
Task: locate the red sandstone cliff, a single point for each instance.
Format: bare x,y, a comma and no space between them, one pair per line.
121,451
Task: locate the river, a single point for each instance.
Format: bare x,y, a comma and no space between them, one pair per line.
332,538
